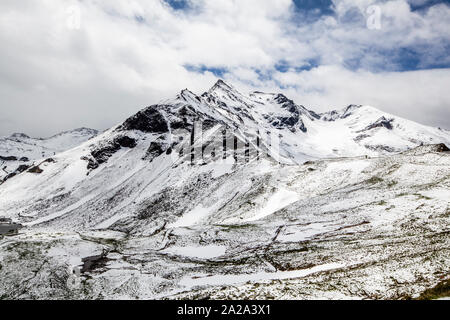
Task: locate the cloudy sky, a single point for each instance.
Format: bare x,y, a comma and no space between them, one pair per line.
67,64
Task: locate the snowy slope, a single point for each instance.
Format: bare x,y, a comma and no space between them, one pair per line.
121,172
19,149
379,132
341,228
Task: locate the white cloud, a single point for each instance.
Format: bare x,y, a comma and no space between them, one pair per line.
129,54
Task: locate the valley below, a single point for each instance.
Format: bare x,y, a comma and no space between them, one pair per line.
352,228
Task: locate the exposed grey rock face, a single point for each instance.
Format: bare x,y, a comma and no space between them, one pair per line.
104,152
381,123
9,158
147,120
19,170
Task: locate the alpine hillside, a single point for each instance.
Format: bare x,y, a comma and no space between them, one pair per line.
228,195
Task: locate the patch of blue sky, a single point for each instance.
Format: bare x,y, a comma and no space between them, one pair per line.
417,5
324,7
217,71
309,11
310,64
284,66
264,74
353,16
178,4
400,59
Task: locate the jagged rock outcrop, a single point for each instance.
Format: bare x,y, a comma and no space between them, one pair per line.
149,120
19,170
102,153
380,123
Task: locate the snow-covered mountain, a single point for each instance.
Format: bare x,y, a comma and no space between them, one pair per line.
356,130
185,136
20,149
209,190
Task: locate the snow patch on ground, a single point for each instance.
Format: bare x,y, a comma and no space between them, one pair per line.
205,252
279,200
298,234
191,218
232,279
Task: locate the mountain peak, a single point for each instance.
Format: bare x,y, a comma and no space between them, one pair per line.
81,130
220,84
187,95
